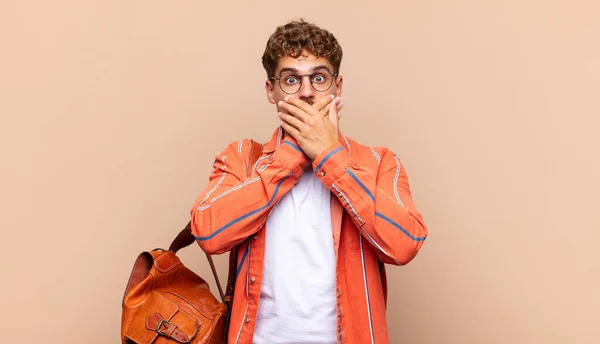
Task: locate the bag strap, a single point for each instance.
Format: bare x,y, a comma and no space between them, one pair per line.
186,238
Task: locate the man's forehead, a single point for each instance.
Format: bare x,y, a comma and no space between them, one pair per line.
302,64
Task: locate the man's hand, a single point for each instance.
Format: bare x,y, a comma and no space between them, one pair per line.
323,105
312,130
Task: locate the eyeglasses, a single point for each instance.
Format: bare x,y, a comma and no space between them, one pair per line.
290,83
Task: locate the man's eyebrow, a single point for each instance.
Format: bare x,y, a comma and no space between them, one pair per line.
295,71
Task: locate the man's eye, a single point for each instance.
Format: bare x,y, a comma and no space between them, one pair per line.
291,80
319,78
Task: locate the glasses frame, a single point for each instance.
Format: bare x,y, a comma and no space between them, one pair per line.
334,75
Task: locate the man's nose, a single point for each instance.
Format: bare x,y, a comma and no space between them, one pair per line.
306,92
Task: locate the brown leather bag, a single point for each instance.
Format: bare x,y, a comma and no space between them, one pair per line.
165,302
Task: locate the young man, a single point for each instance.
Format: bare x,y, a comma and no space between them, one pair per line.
319,215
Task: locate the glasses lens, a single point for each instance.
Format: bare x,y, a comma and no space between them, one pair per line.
321,81
290,83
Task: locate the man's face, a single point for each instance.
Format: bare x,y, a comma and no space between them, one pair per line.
297,74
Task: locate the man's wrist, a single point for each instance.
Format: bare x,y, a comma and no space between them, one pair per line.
331,163
291,155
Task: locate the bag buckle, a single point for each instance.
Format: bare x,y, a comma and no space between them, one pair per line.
160,324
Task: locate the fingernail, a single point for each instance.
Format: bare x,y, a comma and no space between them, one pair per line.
287,98
280,103
331,96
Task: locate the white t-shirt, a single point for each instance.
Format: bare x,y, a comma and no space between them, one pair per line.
297,300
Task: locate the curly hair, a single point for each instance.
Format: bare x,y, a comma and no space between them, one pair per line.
297,36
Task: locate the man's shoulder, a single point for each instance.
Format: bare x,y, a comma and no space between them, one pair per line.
238,146
379,151
234,152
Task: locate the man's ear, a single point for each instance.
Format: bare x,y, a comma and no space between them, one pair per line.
339,82
270,91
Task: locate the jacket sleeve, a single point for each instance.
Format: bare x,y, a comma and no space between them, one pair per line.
233,206
380,202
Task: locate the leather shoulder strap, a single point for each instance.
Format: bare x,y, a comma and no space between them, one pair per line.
183,239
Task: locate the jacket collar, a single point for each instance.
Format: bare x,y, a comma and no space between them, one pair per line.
274,142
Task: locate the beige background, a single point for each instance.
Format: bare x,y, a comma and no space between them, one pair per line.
112,112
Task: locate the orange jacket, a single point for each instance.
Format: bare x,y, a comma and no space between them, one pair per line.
374,221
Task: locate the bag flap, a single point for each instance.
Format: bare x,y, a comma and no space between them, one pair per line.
159,316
